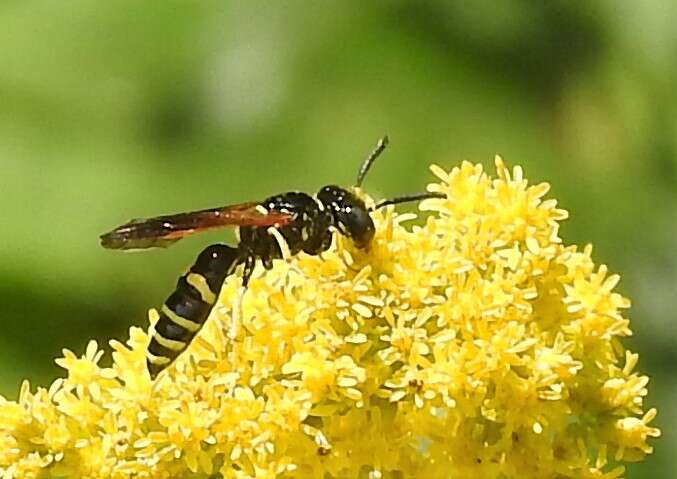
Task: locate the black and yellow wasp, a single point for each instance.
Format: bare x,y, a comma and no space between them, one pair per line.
305,223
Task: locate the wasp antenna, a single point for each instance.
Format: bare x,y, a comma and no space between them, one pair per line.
408,198
376,152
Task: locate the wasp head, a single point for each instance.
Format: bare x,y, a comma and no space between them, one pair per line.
351,215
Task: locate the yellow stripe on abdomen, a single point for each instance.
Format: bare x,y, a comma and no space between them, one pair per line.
191,326
157,360
172,344
199,282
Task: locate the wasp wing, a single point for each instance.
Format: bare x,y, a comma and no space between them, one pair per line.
162,231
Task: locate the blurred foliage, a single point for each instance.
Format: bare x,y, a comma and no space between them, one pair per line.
113,110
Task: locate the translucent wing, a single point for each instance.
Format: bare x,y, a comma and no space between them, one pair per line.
162,231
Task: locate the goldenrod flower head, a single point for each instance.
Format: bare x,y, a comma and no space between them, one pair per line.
475,346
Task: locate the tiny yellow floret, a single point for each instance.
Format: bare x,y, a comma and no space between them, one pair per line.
475,344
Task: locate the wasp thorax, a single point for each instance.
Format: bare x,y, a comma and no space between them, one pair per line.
351,216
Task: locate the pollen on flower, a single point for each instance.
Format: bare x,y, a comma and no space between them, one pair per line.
475,344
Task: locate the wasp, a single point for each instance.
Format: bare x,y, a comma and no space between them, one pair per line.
281,225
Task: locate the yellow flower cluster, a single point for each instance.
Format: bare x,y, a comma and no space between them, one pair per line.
474,346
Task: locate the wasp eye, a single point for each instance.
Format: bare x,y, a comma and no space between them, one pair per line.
360,226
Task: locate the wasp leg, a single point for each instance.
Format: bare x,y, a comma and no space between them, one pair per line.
281,243
249,263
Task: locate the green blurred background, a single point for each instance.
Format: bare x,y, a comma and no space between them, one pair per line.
114,110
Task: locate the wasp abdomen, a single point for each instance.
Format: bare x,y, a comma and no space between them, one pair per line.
188,307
